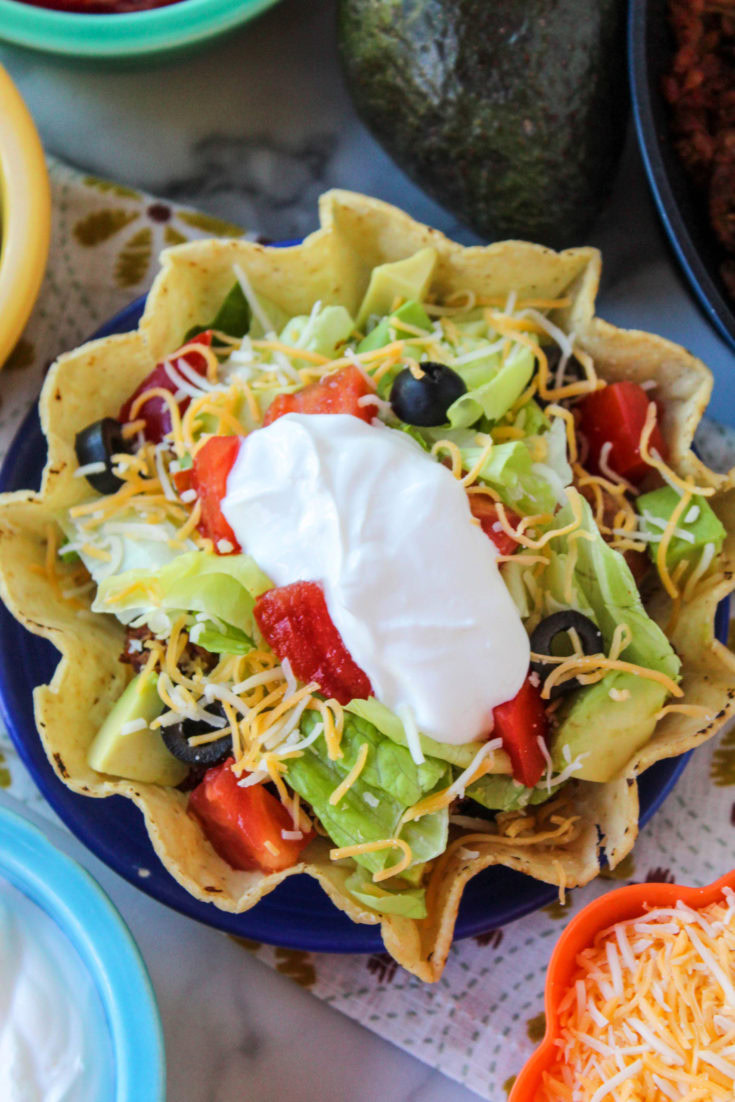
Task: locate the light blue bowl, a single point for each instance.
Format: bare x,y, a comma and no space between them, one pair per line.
82,911
134,36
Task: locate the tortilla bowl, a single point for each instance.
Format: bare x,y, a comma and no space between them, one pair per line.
594,822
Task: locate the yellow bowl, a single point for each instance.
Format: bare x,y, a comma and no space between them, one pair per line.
25,215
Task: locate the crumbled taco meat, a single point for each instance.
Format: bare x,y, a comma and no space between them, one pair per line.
701,91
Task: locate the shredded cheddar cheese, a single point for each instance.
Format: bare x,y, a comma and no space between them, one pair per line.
401,865
354,773
650,1011
572,667
653,459
454,454
665,540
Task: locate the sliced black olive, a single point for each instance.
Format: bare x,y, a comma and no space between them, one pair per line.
97,444
176,737
543,636
425,401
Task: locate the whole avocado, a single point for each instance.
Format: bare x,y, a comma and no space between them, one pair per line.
511,113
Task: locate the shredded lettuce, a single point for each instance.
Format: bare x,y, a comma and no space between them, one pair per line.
223,587
221,638
389,770
604,579
402,900
142,547
495,390
325,331
389,724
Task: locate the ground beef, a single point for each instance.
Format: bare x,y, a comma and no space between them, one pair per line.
135,653
701,91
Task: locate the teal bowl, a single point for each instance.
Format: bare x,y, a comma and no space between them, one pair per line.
129,38
86,917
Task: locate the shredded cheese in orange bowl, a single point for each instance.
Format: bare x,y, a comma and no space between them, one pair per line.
640,1000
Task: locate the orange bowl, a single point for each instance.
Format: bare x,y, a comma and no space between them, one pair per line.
616,906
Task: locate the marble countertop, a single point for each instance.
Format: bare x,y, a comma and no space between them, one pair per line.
253,129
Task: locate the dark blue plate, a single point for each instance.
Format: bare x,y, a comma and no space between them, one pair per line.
682,208
297,914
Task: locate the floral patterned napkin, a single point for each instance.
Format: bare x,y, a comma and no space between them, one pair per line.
481,1021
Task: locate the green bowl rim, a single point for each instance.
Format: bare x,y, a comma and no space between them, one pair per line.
181,23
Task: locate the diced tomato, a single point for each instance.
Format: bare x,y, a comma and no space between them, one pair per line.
296,624
212,464
519,723
244,824
337,393
617,414
484,509
155,411
182,480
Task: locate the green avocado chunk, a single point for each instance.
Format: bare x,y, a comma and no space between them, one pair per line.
606,731
412,312
140,754
700,523
500,793
404,279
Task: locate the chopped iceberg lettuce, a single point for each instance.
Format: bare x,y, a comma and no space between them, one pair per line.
128,543
324,331
369,811
495,390
220,638
389,724
222,586
509,469
605,581
402,900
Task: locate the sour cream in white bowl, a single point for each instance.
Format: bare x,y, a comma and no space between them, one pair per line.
78,1017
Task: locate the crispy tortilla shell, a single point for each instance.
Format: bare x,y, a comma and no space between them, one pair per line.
333,265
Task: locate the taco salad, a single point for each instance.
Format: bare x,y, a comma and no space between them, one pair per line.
376,558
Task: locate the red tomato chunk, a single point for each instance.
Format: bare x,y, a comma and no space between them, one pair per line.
520,722
296,624
155,411
617,414
244,825
485,510
337,393
212,464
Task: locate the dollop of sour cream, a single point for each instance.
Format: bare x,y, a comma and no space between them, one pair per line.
411,584
54,1041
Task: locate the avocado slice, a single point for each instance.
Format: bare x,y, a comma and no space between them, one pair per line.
607,731
404,279
138,755
512,115
698,520
411,312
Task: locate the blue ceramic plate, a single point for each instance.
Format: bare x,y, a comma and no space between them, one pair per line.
297,914
82,911
682,209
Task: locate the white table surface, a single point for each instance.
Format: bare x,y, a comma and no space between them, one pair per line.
253,129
